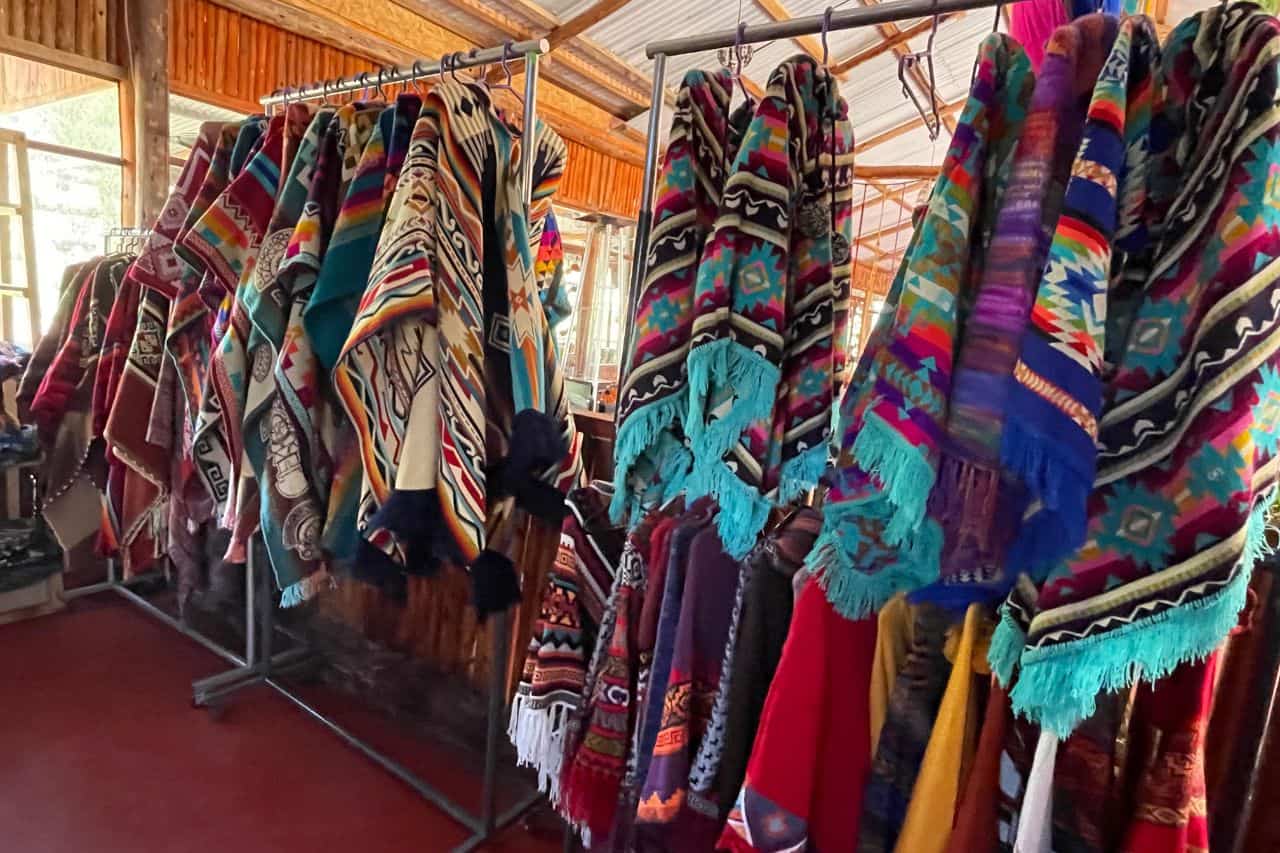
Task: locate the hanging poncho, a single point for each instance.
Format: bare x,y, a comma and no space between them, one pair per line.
1187,455
977,511
876,538
228,237
158,274
290,522
770,302
654,397
449,362
304,419
1055,397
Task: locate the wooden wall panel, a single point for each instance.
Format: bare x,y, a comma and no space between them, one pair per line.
595,182
220,56
87,28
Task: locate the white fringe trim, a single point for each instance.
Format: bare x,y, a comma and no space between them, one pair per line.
539,738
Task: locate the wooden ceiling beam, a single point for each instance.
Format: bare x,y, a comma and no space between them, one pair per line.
886,194
778,12
583,21
294,20
494,16
907,126
924,172
885,45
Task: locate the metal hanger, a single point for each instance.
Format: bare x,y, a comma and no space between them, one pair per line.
932,123
506,69
738,62
416,70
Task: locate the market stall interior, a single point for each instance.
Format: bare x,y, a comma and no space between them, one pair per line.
757,427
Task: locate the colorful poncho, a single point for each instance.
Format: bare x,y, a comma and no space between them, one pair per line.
894,412
305,422
552,685
770,299
1055,396
450,353
1187,455
290,521
978,513
141,400
654,397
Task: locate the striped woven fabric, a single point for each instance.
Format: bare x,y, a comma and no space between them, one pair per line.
1055,398
767,298
650,449
893,414
1189,443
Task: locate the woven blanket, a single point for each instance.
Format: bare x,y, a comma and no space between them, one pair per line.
977,513
1055,397
876,538
1187,456
768,300
654,397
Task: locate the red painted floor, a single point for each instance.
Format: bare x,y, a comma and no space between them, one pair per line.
101,751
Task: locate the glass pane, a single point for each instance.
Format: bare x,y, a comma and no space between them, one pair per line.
60,107
76,202
185,117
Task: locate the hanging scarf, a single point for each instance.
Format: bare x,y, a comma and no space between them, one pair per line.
1055,398
290,522
305,420
654,396
158,274
811,752
935,798
548,269
1187,453
762,631
669,815
893,414
596,764
569,616
976,513
46,349
768,299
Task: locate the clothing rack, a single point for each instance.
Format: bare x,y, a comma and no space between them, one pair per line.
124,239
658,51
258,665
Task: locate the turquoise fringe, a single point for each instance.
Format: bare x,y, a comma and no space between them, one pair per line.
306,589
856,591
742,511
1007,642
1057,687
727,364
636,435
801,473
907,477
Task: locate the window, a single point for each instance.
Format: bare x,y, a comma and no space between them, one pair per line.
72,123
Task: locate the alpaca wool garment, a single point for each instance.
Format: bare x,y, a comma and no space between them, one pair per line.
1187,455
653,400
1033,22
770,295
290,519
1055,396
554,677
877,539
977,512
811,751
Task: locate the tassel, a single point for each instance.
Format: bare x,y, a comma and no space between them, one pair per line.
904,471
637,434
495,586
1058,528
1007,642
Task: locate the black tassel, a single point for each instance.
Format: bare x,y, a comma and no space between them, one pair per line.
495,586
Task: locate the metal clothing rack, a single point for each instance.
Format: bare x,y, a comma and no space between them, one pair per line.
126,239
262,667
658,51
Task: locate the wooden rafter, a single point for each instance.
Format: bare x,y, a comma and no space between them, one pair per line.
924,172
585,20
887,194
906,127
905,222
495,16
293,20
885,45
778,12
